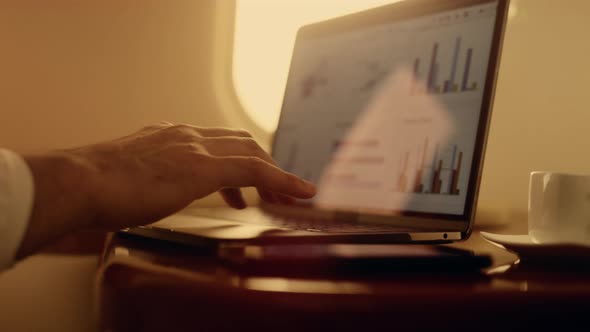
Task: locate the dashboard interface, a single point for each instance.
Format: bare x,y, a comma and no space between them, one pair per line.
384,118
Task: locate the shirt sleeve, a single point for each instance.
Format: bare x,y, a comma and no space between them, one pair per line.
16,203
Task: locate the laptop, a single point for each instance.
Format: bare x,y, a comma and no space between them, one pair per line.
387,112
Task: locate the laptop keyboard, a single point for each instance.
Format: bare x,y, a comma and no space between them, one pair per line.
259,217
330,226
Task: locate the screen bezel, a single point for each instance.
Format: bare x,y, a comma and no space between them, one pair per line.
400,11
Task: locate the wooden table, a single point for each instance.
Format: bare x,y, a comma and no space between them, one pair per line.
149,285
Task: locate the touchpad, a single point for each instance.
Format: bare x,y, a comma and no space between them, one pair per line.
212,227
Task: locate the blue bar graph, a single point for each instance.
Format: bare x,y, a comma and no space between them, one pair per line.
433,68
450,85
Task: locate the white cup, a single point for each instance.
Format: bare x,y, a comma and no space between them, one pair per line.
559,208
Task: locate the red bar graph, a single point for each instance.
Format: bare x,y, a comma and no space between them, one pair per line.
441,176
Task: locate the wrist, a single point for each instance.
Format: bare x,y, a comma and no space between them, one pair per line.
75,178
63,200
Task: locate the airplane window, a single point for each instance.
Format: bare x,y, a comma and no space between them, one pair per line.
264,36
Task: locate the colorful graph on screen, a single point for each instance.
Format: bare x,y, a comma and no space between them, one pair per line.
437,173
454,83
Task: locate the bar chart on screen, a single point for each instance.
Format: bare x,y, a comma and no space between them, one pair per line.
453,76
451,63
433,170
386,116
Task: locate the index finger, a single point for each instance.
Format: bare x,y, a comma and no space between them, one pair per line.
218,131
252,171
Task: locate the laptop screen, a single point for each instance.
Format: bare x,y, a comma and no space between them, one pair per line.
385,118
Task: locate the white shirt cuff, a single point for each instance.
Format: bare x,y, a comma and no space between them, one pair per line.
16,204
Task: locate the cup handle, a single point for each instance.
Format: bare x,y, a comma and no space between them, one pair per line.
537,184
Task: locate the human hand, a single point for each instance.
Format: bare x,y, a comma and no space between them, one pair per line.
143,177
162,168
